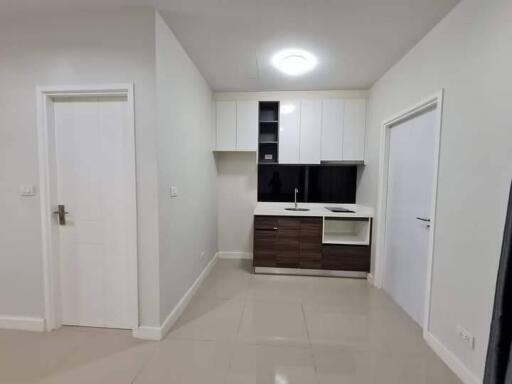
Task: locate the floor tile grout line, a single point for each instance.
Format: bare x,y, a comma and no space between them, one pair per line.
311,352
144,365
63,361
237,336
243,313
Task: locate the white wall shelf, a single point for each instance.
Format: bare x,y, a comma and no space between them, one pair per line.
346,231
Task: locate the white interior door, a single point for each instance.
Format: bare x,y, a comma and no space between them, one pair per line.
409,199
95,182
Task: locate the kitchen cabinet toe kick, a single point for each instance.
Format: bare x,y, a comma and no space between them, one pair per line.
309,272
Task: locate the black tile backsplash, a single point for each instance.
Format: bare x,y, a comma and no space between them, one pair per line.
316,183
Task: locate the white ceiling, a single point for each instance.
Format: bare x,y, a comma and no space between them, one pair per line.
231,41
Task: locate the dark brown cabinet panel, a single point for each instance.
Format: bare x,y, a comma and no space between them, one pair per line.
346,257
265,246
296,242
265,223
287,242
311,243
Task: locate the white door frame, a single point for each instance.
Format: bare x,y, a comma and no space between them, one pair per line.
434,101
45,99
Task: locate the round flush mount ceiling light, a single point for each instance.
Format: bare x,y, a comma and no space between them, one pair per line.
294,62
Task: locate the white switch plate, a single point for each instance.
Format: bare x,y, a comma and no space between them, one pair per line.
174,191
466,337
27,190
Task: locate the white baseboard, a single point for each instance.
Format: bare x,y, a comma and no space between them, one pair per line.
370,279
234,255
22,323
147,333
158,333
463,372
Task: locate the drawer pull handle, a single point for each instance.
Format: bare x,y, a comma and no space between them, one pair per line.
267,229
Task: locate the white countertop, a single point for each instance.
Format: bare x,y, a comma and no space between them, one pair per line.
315,210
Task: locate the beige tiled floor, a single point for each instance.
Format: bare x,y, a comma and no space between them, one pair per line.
243,329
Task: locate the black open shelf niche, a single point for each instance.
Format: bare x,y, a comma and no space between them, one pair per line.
268,138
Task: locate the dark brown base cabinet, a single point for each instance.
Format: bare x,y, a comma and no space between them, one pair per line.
296,242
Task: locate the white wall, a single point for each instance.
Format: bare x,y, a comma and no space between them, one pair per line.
468,54
57,49
187,223
237,180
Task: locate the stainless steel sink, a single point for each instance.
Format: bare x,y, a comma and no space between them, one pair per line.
297,209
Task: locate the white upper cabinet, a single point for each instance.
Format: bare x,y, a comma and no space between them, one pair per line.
310,131
226,126
289,132
246,125
237,126
332,130
354,130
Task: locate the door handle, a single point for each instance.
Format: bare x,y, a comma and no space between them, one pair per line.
426,221
61,214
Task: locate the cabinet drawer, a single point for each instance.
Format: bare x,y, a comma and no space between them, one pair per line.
265,223
346,257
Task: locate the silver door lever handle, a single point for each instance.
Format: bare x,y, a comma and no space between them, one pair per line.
427,221
61,214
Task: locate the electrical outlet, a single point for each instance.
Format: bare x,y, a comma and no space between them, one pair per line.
466,337
174,191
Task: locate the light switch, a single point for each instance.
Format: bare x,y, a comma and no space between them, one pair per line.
174,191
27,190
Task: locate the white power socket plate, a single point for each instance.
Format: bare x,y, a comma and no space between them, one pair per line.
466,337
28,190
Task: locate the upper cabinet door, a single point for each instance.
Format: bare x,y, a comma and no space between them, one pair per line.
310,131
332,130
246,125
226,125
289,132
354,130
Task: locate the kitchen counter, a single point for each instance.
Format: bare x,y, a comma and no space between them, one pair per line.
315,210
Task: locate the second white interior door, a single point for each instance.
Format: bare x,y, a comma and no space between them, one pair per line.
95,182
409,201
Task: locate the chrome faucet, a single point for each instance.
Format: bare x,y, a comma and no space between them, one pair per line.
296,191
